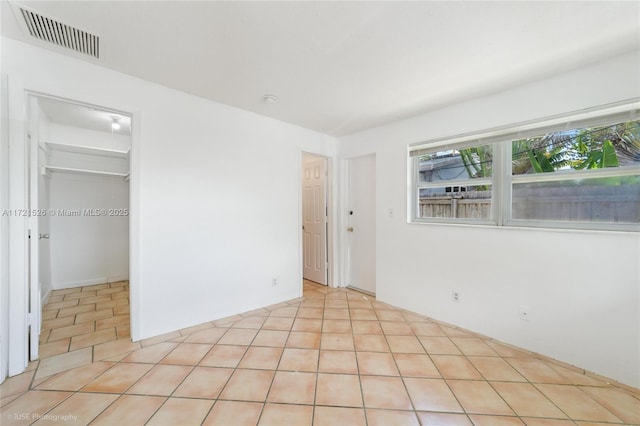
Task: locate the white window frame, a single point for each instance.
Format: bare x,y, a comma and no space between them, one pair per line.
416,186
502,180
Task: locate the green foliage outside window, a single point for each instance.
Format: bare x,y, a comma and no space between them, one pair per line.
592,148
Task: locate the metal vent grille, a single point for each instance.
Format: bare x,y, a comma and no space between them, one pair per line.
63,35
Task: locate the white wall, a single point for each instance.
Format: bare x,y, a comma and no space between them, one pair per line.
85,249
215,193
221,210
582,287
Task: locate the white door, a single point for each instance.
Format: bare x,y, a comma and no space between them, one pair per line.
314,218
361,223
34,227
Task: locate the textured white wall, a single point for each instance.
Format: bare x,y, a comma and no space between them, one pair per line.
582,287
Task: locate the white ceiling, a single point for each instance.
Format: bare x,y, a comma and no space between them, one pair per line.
340,67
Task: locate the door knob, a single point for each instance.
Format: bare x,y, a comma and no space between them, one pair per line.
350,229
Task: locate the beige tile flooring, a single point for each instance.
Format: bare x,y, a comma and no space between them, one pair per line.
332,357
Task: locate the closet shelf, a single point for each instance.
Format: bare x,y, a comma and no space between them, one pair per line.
83,171
78,149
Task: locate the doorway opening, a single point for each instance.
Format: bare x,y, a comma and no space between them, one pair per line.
79,235
316,224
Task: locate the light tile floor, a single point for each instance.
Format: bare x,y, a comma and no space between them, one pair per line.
333,357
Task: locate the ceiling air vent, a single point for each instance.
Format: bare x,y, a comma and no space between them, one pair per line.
63,35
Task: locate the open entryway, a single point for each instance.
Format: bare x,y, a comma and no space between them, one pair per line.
78,224
315,218
361,223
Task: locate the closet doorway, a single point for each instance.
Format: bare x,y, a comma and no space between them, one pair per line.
79,224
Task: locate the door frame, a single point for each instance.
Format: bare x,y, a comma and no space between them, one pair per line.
306,160
18,285
331,228
32,140
4,227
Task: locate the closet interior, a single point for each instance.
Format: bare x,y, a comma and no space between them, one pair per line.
83,193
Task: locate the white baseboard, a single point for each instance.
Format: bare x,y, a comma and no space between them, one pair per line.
82,283
44,297
92,281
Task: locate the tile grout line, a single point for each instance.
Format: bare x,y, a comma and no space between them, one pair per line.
317,372
279,360
215,401
402,378
355,354
234,369
464,355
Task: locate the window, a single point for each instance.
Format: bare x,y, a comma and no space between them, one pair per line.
562,173
455,184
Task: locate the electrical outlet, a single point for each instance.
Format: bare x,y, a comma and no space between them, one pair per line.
274,282
524,312
455,296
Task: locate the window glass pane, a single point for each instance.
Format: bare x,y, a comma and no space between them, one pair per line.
456,164
462,202
615,145
606,199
